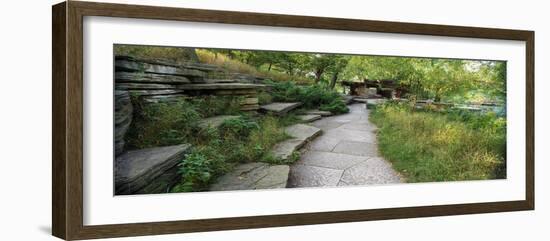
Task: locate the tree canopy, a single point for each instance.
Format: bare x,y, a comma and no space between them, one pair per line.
436,78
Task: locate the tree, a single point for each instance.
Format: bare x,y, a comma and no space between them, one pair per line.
432,78
319,63
338,64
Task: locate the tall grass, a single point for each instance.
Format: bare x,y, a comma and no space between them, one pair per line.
234,65
428,146
225,62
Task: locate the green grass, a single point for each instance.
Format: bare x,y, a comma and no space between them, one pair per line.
427,146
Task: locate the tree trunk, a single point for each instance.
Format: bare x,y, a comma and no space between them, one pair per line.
289,69
318,74
190,55
269,68
333,80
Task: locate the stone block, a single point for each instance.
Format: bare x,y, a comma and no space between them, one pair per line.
280,108
137,169
251,176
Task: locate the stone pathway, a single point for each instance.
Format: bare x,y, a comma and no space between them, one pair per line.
309,118
345,154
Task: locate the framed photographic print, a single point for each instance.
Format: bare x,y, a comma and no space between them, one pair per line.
171,120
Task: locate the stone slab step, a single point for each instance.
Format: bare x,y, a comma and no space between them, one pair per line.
360,100
371,103
300,134
137,171
280,108
216,121
302,131
319,112
254,175
283,150
376,101
220,86
309,118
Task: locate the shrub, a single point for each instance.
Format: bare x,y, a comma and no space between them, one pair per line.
238,128
236,141
313,96
335,107
264,98
199,168
162,124
172,123
210,106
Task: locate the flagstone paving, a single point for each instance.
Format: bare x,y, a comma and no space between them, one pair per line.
345,154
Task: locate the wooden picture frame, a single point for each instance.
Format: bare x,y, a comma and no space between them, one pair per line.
67,150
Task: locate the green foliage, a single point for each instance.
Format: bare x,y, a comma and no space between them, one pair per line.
288,119
441,79
162,124
198,168
264,98
239,140
428,145
264,64
432,146
295,156
313,96
172,123
217,105
335,107
262,140
237,128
